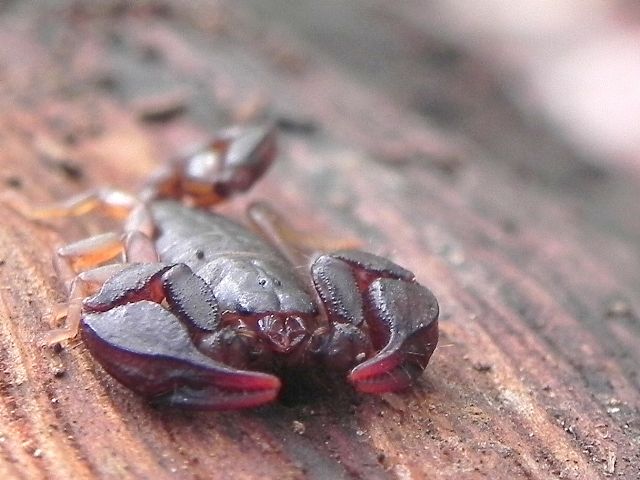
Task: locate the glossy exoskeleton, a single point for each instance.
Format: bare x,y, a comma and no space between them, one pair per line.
202,311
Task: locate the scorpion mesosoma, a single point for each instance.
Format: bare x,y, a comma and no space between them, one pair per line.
203,313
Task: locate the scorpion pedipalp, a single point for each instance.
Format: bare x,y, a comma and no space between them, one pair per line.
400,319
168,368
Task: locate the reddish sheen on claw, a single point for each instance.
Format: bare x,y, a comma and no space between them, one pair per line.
407,314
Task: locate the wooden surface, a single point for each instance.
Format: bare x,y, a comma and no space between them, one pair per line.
532,252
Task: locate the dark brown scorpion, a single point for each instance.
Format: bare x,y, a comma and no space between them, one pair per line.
202,311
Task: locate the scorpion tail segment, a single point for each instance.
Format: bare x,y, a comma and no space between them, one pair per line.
147,348
231,162
402,316
248,153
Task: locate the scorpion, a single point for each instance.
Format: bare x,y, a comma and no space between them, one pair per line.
204,313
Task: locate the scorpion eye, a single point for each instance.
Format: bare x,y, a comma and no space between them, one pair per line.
262,282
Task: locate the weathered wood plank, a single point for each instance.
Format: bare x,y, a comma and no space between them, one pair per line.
536,265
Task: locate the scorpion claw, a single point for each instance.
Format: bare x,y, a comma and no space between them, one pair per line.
212,399
374,305
168,368
403,317
381,375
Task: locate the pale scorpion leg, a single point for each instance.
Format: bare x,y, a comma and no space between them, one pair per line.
135,244
299,247
86,283
72,261
114,203
83,285
84,254
139,230
69,263
90,252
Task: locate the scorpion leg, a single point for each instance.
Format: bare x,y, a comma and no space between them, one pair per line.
90,252
82,285
115,203
296,245
70,261
384,322
153,350
87,253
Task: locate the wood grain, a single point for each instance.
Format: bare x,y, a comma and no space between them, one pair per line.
533,253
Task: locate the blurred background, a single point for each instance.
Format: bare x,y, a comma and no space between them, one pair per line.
567,66
573,63
576,62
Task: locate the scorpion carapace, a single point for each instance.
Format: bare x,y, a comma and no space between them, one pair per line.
201,310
